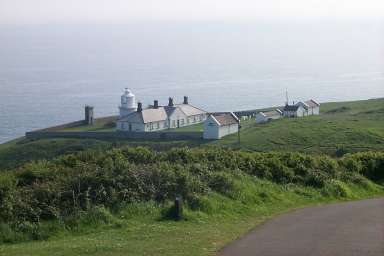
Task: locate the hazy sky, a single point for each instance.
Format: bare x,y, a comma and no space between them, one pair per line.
121,11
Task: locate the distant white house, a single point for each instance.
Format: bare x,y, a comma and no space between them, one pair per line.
296,110
311,107
219,125
263,117
314,107
156,118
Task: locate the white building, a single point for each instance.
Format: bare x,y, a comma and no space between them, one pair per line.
156,118
294,111
220,124
263,117
311,107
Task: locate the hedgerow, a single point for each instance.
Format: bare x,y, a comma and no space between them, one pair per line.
95,183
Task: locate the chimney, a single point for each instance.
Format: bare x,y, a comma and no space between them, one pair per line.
155,104
185,100
139,107
170,102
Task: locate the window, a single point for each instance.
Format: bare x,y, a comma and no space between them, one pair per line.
158,125
173,123
194,119
151,126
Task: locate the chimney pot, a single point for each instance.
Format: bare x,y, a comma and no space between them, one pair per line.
185,100
155,104
170,102
139,107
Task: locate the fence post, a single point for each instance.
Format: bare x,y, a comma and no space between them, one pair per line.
178,208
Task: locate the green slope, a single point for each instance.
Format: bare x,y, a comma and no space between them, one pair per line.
342,126
351,126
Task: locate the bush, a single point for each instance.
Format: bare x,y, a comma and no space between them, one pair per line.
83,189
337,189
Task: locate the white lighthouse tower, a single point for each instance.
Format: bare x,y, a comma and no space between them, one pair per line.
128,103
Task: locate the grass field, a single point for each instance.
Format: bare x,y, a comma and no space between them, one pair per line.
351,126
141,231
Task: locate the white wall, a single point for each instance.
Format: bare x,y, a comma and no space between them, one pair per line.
124,126
156,126
301,112
228,129
314,111
211,129
177,115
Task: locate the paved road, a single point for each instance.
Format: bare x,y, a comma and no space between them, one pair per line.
345,229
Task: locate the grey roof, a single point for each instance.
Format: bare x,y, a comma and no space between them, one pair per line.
147,115
271,113
225,118
291,107
311,103
162,113
303,104
190,110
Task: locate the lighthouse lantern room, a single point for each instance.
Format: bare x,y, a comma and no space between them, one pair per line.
128,103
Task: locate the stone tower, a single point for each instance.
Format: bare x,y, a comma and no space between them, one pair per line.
89,115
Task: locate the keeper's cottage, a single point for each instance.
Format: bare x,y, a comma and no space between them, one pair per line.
155,118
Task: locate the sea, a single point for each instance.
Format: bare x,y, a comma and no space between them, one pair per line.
48,73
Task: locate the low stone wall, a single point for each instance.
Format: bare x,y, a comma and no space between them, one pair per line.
107,119
117,135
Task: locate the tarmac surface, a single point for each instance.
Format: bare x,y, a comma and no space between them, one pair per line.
342,229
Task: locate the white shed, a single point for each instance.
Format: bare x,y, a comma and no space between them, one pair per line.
313,107
294,111
219,125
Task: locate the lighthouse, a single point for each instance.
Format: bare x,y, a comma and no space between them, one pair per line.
128,103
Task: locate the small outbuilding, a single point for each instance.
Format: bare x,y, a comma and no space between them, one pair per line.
219,125
263,117
294,111
313,107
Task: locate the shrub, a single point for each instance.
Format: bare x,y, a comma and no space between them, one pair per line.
337,189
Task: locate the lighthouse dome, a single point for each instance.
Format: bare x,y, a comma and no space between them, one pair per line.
128,103
128,99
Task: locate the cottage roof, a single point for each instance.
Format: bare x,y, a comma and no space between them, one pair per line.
225,118
148,115
271,113
312,104
303,104
190,110
291,107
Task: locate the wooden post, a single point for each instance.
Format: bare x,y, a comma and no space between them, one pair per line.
178,208
238,131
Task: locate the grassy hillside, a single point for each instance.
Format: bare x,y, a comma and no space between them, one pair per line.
119,202
343,126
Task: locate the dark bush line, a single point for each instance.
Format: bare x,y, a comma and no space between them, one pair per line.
62,188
